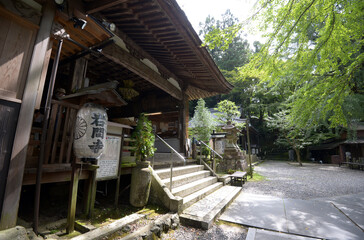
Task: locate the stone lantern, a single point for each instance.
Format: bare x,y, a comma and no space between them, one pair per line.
233,157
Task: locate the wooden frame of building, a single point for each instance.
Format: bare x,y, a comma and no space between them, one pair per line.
153,52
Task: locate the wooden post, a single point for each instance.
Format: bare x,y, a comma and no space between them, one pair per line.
89,199
213,153
87,196
183,126
73,199
119,170
249,149
93,193
18,157
194,149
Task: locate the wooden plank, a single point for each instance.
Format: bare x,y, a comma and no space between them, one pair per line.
69,147
56,135
98,6
66,104
119,171
16,41
79,71
128,159
129,140
64,136
120,56
18,157
129,148
53,177
52,123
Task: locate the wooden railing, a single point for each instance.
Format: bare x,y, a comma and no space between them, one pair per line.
58,149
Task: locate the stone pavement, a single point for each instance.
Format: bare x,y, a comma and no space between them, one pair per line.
335,218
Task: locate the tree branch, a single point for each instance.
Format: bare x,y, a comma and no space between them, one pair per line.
291,30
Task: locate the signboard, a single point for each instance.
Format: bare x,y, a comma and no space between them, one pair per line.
109,160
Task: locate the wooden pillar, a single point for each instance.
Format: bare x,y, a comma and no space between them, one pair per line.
22,133
183,125
342,153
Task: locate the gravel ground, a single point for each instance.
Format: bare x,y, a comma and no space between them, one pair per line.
282,179
220,231
288,180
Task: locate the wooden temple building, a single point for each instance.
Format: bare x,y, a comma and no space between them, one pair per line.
130,56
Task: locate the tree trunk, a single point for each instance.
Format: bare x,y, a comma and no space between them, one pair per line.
298,156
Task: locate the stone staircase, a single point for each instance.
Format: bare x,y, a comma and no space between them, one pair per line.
197,193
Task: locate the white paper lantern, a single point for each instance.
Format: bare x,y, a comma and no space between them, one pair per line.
90,131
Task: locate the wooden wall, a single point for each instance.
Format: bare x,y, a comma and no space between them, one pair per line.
16,45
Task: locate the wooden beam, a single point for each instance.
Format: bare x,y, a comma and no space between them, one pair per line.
122,57
135,47
98,6
53,177
18,157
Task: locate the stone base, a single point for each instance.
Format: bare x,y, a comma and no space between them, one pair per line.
233,164
17,232
140,184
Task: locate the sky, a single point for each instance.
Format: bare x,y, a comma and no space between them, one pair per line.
198,10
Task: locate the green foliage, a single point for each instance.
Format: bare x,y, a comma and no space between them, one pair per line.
144,138
315,47
295,137
228,111
235,51
202,122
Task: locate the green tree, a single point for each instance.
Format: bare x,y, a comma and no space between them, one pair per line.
315,47
202,122
228,58
228,111
144,138
295,137
237,51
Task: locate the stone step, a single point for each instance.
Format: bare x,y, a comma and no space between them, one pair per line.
177,171
167,163
263,234
196,196
204,212
186,178
187,189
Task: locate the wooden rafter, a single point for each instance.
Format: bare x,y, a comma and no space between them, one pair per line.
101,5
